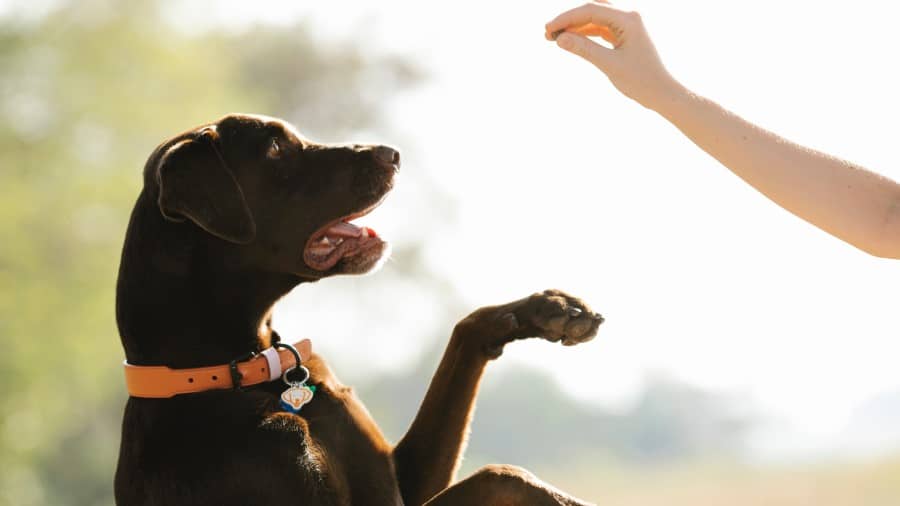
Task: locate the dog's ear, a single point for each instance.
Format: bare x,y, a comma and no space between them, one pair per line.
195,183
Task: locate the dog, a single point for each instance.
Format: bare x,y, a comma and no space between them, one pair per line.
232,216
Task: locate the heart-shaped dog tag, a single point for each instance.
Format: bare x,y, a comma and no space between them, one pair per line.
296,397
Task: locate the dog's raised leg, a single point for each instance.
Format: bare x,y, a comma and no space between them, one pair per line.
428,456
509,485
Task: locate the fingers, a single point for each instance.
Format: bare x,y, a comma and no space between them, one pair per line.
599,14
586,48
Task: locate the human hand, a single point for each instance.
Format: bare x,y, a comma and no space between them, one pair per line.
632,64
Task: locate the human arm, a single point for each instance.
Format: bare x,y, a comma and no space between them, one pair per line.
849,202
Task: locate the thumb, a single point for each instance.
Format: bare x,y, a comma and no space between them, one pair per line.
585,48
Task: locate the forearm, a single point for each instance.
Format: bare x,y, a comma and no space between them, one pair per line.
845,200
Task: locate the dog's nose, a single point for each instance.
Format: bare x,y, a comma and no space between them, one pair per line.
387,157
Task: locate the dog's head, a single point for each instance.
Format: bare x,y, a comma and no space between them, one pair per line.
267,199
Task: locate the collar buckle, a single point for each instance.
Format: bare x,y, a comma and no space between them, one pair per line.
236,375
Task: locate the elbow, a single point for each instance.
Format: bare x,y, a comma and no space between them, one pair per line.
884,240
881,242
882,249
873,243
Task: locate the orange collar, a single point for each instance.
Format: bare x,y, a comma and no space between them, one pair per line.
159,381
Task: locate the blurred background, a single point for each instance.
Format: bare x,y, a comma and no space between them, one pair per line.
747,357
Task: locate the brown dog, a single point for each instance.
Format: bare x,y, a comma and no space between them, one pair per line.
233,215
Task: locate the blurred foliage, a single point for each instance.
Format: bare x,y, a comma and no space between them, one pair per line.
718,483
87,92
668,424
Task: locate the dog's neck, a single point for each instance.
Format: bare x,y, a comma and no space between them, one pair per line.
178,304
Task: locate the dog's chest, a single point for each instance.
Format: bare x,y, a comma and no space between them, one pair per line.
357,456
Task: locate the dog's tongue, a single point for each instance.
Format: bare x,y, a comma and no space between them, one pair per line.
339,240
346,230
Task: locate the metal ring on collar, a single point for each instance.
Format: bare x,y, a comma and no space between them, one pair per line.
288,382
298,360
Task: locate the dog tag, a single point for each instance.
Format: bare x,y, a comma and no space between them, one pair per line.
295,397
298,393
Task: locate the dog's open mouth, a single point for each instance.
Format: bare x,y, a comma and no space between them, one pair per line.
342,239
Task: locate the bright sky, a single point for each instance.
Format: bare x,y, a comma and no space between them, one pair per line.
562,182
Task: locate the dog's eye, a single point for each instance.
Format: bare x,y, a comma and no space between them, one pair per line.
274,150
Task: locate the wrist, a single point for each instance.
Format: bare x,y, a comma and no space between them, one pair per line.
669,99
470,345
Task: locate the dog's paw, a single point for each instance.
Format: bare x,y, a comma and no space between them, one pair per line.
556,316
552,315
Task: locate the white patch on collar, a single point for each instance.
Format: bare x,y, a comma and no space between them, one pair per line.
274,361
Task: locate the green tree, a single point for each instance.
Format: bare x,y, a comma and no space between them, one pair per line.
87,91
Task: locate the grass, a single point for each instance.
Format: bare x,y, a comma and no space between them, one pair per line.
731,484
